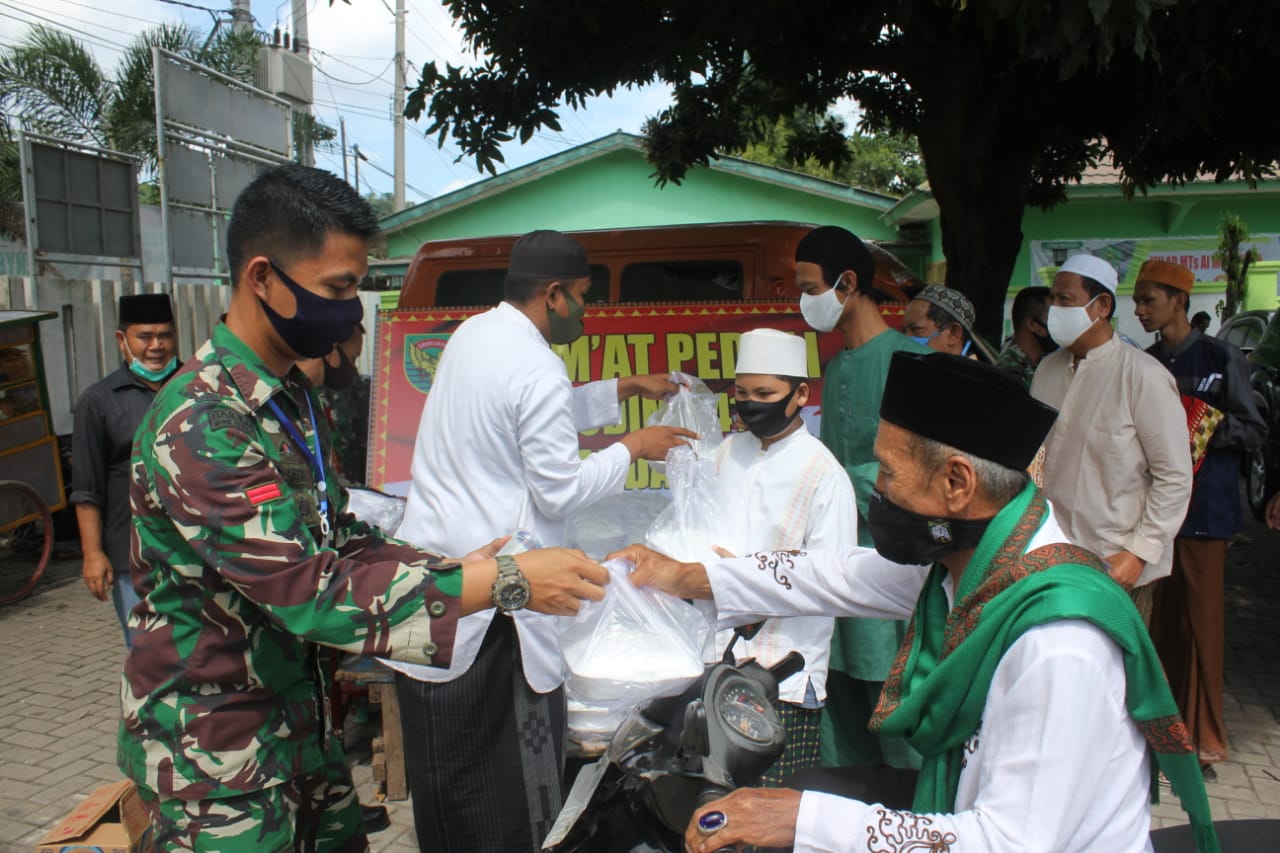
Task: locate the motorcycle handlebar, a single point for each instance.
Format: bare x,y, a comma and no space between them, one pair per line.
787,667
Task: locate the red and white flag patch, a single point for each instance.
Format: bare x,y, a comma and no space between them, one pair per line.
266,492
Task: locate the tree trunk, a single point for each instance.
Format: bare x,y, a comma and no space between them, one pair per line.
979,145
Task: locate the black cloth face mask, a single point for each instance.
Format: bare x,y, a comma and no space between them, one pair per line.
913,539
766,420
343,376
317,324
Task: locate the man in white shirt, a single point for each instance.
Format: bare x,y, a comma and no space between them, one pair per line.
1020,650
1117,464
497,450
779,488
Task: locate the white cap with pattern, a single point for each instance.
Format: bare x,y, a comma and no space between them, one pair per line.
772,351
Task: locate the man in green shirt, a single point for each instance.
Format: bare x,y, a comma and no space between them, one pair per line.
247,562
835,273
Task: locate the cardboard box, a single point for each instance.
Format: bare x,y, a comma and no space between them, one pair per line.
110,820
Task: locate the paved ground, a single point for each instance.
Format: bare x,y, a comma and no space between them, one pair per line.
63,652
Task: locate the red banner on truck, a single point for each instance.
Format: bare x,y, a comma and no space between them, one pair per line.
621,340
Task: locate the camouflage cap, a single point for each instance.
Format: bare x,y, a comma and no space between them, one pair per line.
952,301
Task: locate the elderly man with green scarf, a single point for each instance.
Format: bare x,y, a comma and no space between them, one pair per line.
1027,681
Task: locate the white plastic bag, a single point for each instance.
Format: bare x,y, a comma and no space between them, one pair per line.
694,408
686,530
635,645
377,508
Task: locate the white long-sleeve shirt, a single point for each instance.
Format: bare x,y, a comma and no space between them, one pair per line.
1057,763
794,494
1117,462
497,450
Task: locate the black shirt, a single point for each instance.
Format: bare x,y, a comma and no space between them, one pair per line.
107,415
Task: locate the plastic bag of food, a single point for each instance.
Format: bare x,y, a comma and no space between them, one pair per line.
694,408
377,508
633,646
686,529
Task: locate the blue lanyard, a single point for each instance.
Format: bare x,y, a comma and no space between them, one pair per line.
313,456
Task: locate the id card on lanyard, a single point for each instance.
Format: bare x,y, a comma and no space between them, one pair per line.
314,456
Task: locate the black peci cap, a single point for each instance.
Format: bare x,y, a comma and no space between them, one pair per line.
967,405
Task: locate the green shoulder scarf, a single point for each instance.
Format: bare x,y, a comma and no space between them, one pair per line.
937,689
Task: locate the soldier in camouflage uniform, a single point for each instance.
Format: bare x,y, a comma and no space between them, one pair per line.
1030,340
246,560
344,398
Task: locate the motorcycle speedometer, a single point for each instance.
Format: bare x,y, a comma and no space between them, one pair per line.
742,711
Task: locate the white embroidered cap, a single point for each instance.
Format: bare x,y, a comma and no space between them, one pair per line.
772,351
1091,266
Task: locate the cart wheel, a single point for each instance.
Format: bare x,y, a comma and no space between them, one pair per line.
26,539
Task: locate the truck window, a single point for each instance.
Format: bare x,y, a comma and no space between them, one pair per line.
457,288
681,281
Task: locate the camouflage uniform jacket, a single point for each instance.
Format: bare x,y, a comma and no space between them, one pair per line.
1013,361
222,692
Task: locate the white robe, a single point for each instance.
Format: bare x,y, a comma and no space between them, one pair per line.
497,450
794,494
1057,764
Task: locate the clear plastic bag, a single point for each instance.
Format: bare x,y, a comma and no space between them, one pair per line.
635,645
694,408
686,529
377,508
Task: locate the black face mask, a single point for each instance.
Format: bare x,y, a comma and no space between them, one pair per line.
1047,344
318,323
908,537
343,376
766,419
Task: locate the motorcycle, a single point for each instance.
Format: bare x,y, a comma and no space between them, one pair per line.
674,755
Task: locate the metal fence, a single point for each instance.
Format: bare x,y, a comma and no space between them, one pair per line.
79,348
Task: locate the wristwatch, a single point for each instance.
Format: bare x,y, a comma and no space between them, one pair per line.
511,589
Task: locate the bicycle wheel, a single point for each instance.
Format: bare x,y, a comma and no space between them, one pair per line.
26,539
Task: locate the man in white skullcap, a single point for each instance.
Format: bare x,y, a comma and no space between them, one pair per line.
781,489
1117,463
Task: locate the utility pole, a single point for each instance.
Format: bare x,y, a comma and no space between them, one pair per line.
356,157
302,47
241,17
397,204
342,137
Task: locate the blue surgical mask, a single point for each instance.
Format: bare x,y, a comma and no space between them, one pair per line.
317,324
923,341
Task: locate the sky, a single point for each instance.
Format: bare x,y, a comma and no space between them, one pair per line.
352,51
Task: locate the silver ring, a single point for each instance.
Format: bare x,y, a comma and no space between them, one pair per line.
710,822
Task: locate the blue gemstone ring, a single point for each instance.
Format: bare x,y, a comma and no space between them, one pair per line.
712,822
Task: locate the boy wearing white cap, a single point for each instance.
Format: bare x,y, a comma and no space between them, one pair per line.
781,489
1117,461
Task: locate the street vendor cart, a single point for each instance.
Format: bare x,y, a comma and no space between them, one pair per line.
31,486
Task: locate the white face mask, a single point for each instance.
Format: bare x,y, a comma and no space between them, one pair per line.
823,311
1066,325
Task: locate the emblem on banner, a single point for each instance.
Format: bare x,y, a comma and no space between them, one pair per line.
421,355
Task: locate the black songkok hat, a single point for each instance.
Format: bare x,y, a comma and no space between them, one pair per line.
970,406
837,249
548,254
147,308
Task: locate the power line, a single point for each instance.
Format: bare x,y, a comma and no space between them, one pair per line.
60,25
370,81
191,6
91,39
113,13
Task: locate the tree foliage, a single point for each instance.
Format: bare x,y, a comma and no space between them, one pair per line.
1009,100
883,162
1232,234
